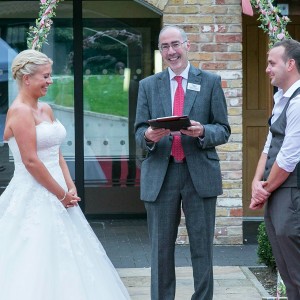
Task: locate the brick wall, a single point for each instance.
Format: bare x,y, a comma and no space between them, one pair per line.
214,28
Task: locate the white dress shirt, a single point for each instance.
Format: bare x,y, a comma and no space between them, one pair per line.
289,154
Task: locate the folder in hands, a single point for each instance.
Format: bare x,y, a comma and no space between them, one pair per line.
174,123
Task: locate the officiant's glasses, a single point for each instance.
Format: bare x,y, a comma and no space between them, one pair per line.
175,46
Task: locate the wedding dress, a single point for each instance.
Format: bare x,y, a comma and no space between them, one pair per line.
48,252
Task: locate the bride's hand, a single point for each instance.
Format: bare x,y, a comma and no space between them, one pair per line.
71,199
73,191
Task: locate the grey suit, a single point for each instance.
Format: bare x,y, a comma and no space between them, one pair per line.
194,184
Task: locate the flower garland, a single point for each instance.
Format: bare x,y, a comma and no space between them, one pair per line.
271,22
37,35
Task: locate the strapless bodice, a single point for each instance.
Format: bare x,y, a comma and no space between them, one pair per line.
49,137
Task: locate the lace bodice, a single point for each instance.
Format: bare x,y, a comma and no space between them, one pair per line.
49,137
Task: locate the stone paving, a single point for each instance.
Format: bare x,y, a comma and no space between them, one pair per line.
231,283
127,245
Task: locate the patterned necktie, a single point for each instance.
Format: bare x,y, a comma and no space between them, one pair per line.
177,150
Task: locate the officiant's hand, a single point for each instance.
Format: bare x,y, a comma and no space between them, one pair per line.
154,135
196,130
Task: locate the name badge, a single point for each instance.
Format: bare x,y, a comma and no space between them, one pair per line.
194,87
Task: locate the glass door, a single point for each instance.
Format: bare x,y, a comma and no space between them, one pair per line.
117,53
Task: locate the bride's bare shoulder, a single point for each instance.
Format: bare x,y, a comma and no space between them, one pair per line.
18,116
18,106
18,110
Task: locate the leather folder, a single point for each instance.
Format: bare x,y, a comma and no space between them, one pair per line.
174,123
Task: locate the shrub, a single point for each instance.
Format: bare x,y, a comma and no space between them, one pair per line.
264,250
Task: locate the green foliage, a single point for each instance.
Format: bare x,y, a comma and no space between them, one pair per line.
264,250
102,93
281,288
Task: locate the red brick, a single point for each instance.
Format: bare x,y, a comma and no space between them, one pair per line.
214,48
214,66
228,56
229,38
224,84
236,212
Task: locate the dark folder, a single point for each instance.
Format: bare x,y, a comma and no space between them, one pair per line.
174,123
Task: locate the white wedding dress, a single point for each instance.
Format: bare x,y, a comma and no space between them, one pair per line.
48,252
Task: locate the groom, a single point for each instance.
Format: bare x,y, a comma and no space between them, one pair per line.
181,169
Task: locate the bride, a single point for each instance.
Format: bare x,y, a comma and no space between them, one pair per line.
48,251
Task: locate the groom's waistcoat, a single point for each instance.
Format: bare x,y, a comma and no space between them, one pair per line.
278,133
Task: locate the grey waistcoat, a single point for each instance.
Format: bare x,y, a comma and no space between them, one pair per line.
278,133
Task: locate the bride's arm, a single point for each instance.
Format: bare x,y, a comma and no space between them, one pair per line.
69,181
62,162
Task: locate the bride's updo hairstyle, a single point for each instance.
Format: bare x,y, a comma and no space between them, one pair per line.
27,62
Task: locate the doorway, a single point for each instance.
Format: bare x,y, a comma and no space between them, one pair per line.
118,51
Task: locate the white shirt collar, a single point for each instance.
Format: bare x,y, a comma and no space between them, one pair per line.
292,89
280,95
184,73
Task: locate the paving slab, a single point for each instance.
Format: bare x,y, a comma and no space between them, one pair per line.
230,283
127,245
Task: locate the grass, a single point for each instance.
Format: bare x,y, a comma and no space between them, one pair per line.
102,93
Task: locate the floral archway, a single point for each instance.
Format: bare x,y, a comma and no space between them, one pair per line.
37,34
272,22
269,15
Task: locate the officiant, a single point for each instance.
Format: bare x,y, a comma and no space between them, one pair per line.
181,169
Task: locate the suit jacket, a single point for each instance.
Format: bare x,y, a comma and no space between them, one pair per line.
207,106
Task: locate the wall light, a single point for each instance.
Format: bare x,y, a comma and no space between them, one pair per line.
126,79
157,62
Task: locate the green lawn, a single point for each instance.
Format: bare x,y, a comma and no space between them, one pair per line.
102,93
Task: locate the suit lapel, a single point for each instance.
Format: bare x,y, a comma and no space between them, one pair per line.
190,95
164,92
